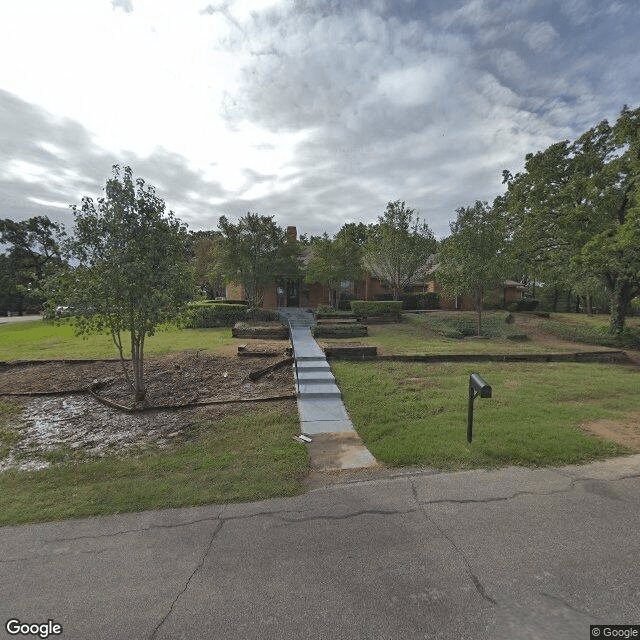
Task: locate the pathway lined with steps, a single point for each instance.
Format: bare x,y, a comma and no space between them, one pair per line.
323,416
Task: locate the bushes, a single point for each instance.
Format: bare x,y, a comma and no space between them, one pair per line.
262,315
466,324
578,332
414,301
202,315
376,307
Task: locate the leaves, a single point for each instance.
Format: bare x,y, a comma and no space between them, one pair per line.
400,248
132,271
254,252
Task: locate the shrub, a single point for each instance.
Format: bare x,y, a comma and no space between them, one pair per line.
262,315
323,308
427,300
453,333
512,307
205,315
527,304
225,301
376,307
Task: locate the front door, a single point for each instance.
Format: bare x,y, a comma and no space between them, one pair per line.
293,293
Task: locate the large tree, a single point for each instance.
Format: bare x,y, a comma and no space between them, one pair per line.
33,252
472,260
253,253
202,250
575,209
334,261
131,268
400,248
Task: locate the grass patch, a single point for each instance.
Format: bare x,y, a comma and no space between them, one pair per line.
590,330
421,334
415,414
41,339
252,457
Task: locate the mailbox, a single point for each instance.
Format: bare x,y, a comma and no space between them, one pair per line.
480,386
477,387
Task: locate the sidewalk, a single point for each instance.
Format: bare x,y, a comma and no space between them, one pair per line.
323,416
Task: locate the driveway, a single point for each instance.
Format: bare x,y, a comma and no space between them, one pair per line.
9,319
507,554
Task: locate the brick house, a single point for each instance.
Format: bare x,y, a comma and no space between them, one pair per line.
284,292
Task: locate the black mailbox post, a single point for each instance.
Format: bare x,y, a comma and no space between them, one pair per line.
477,387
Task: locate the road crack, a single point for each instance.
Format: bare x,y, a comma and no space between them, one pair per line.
199,566
474,578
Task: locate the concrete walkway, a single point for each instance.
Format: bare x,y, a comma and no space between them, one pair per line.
323,416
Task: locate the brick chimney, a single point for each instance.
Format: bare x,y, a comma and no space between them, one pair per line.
292,235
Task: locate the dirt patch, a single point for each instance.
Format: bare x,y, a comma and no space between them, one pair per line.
79,426
620,431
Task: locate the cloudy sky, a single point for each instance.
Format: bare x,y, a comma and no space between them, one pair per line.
317,111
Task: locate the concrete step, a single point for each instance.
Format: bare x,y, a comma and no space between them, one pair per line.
320,375
327,389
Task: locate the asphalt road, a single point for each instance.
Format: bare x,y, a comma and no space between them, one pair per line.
509,554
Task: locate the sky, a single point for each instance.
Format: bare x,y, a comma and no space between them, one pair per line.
317,112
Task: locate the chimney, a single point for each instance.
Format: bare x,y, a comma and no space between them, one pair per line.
292,235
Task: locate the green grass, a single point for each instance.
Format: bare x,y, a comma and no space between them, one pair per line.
42,340
252,457
419,334
591,330
415,414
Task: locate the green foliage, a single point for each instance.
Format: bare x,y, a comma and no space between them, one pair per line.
337,260
203,316
460,325
574,211
253,253
376,307
413,301
472,260
629,338
400,248
34,252
202,249
132,269
262,315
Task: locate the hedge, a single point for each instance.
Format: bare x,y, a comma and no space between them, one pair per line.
204,315
376,307
414,301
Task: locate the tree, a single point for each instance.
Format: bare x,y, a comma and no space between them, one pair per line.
132,269
34,252
201,249
472,260
575,207
400,248
253,253
334,261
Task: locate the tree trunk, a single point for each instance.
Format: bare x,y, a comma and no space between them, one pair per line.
620,305
556,295
577,304
589,302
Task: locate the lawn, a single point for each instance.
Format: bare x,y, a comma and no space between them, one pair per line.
43,340
252,457
420,334
416,414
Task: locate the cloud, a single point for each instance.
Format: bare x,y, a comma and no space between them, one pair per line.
48,163
318,111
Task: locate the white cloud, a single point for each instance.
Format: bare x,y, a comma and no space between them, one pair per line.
540,36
